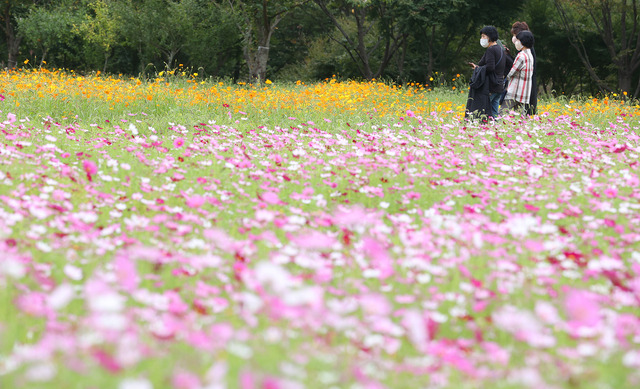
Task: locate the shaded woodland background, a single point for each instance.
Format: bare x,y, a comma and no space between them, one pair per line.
586,47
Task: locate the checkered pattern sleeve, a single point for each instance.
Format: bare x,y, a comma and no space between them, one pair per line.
520,78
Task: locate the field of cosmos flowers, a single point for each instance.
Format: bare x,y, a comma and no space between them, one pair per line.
182,233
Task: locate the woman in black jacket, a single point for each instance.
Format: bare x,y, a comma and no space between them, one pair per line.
494,61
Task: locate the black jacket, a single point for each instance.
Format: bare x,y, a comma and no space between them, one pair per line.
478,105
495,59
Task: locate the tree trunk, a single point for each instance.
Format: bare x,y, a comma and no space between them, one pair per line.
262,58
171,55
257,59
106,60
14,47
624,80
13,40
637,92
249,53
45,51
362,48
143,66
400,62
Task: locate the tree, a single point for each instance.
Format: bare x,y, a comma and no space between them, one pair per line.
164,29
616,22
141,22
296,40
194,32
101,28
434,26
257,20
48,27
430,34
377,36
10,10
209,36
558,72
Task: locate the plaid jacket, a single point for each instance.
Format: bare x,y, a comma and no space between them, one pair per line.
521,78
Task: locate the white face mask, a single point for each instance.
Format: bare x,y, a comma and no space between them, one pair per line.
518,45
484,42
514,39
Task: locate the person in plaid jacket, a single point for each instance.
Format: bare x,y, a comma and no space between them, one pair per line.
520,76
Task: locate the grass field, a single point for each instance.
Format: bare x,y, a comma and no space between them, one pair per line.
184,233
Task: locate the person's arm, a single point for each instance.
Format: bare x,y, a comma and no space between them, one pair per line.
509,60
490,61
483,60
533,54
517,66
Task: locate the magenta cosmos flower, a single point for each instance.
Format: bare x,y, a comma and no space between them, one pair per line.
178,142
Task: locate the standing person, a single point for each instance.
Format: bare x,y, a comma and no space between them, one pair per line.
521,74
493,62
532,107
494,59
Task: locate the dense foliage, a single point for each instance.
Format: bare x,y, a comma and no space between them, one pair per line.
425,41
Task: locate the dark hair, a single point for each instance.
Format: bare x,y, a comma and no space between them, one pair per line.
518,27
491,32
526,38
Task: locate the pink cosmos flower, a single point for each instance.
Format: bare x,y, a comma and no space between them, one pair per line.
380,258
90,168
582,309
270,198
271,383
314,240
59,195
32,303
375,304
611,192
547,312
247,380
534,245
186,380
416,328
126,272
106,361
178,142
195,201
413,195
523,325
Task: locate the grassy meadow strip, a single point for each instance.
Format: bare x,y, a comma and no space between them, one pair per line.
181,95
179,233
